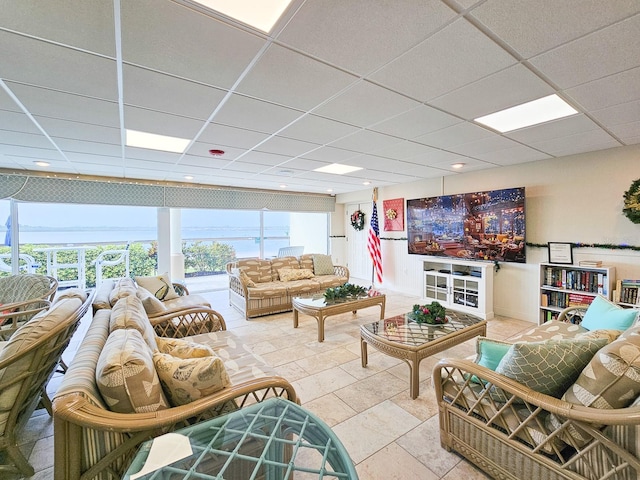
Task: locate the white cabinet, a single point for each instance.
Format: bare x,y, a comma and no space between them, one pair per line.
564,286
460,285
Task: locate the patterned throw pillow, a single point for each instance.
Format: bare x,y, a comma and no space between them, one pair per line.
246,280
548,367
290,274
159,285
126,375
181,348
322,265
186,380
150,302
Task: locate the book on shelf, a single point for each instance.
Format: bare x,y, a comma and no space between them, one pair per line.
627,292
590,263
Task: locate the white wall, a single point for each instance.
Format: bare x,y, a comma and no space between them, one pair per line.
577,199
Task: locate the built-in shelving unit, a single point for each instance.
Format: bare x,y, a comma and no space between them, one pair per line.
563,286
460,285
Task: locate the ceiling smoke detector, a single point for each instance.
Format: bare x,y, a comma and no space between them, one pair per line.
216,153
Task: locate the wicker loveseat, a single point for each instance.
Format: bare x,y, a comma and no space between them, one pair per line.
262,287
512,431
95,440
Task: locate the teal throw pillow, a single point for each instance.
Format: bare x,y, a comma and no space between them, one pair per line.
603,314
322,265
490,352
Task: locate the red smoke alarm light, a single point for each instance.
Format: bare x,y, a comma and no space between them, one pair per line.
216,153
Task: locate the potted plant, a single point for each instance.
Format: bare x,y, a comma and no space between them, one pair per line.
434,314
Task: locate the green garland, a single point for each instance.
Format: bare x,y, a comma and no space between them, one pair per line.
607,246
631,197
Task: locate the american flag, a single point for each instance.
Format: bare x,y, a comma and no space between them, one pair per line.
373,245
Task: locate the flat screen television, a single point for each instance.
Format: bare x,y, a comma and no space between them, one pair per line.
474,226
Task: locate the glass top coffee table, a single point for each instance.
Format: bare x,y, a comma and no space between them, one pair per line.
320,308
407,340
272,440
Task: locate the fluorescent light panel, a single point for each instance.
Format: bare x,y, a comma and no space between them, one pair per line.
337,168
153,141
261,14
531,113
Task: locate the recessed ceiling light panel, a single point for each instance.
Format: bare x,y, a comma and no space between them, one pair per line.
135,138
531,113
42,163
261,14
337,168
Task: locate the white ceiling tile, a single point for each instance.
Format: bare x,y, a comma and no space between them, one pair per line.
304,164
79,131
286,146
507,88
262,158
483,145
578,143
80,146
534,26
556,129
156,91
265,117
459,49
365,104
134,153
608,91
33,153
330,154
602,53
454,135
418,121
17,122
67,106
58,21
439,157
52,66
312,128
403,150
36,140
291,79
334,38
626,131
223,135
514,155
203,162
160,123
197,47
421,171
470,165
201,149
619,114
366,141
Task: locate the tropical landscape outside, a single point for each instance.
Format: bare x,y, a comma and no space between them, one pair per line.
210,238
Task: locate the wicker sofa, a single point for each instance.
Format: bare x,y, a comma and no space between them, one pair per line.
512,431
95,440
259,287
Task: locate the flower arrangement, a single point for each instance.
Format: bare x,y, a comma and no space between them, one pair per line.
434,314
391,214
347,290
357,220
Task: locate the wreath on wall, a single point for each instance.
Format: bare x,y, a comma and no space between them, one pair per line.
631,208
357,220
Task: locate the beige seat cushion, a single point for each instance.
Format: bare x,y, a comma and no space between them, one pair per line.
127,313
187,379
126,375
122,288
258,271
159,285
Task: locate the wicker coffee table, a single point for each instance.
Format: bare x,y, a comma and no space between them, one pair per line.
401,338
319,308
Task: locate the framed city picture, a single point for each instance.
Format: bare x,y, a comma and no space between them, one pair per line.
393,211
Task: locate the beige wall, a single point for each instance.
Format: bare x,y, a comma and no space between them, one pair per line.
570,199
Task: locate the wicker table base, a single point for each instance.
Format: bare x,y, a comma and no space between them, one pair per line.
320,309
401,338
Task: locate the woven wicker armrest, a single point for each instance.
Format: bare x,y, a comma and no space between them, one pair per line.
74,414
237,285
15,314
186,322
572,314
180,288
341,271
541,430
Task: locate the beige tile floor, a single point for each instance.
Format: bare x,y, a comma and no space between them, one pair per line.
388,435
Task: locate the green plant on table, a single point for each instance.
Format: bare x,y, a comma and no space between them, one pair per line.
434,314
347,290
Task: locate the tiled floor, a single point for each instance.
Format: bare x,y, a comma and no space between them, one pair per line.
388,435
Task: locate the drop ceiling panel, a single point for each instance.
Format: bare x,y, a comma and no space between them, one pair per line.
202,150
198,47
223,135
160,123
608,91
67,106
210,163
79,146
418,121
133,153
619,114
513,155
483,145
536,26
459,49
368,162
435,157
17,122
112,162
312,128
366,141
578,143
263,158
79,131
563,127
330,155
627,132
509,87
264,117
404,150
343,22
365,104
421,171
594,56
155,91
454,135
470,165
303,164
32,153
288,78
286,146
61,68
60,21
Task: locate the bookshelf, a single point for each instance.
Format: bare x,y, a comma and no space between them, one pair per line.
564,286
460,285
627,293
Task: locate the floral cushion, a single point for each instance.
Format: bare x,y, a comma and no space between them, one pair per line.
159,285
181,348
126,375
291,274
187,379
